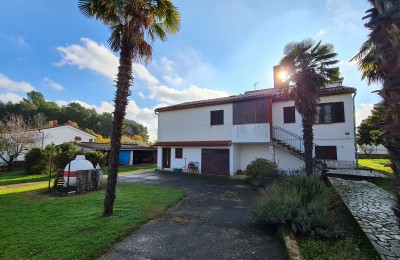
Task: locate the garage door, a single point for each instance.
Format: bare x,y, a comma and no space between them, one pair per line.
215,161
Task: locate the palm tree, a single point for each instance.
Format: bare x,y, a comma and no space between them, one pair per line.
384,55
131,22
308,68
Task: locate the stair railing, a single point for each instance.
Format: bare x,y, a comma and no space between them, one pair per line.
295,142
288,138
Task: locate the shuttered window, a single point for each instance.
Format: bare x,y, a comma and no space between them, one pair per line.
250,112
289,115
328,113
217,117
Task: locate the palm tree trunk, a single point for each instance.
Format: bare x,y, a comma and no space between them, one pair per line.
124,79
391,135
308,136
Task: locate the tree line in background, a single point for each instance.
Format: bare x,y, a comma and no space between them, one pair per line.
35,109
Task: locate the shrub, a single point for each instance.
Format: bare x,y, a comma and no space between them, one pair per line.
262,171
300,201
66,153
36,161
97,157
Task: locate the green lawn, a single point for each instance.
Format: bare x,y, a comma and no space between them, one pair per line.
380,165
36,226
19,176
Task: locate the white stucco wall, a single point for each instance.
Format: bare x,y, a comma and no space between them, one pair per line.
251,133
337,134
249,152
286,161
194,124
61,134
188,154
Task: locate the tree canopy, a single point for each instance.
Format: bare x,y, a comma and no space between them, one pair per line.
35,108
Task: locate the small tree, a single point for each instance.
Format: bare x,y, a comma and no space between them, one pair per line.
15,139
368,132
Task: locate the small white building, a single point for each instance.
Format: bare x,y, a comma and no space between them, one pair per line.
224,135
57,134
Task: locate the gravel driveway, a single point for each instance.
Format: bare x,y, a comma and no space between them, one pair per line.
214,221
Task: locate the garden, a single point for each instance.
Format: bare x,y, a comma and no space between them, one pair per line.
322,225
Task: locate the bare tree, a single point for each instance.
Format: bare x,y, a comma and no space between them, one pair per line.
15,139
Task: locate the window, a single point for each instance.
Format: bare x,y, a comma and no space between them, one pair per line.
217,117
250,112
289,115
328,113
326,152
178,153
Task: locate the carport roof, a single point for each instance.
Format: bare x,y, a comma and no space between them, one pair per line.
195,143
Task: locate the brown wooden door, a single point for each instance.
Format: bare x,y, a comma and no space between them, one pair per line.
215,161
166,155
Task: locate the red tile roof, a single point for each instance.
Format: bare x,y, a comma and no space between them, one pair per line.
275,94
195,143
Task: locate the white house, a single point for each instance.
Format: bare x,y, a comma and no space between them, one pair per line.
57,134
224,135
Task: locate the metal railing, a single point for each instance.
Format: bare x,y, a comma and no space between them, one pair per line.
288,138
296,142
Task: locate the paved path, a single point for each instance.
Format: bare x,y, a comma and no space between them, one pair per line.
215,221
356,173
371,207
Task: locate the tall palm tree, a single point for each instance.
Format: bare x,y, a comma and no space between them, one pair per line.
384,54
132,23
308,67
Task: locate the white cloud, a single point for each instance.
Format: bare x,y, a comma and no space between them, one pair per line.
9,85
321,32
363,112
173,96
14,98
96,57
52,84
142,73
141,95
173,79
167,64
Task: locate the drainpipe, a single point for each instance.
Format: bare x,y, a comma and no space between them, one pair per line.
355,135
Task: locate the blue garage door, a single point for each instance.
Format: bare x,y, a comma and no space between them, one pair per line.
124,157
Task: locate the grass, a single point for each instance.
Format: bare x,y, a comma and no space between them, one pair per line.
383,166
380,165
35,225
22,188
19,176
138,168
352,245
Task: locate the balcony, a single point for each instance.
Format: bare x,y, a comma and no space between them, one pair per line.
251,133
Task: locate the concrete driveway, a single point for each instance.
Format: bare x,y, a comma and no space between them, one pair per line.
215,221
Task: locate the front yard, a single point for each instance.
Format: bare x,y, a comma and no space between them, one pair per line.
35,225
19,176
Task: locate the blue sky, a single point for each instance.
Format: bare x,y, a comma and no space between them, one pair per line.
223,48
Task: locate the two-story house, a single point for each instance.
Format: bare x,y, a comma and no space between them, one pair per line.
223,135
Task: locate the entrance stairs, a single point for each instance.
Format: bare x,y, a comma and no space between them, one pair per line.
294,144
